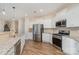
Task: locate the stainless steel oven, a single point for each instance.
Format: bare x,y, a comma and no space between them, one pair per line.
57,38
57,41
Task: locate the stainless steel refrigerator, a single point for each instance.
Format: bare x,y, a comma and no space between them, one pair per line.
38,29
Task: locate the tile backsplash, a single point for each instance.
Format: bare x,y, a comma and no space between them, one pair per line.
74,33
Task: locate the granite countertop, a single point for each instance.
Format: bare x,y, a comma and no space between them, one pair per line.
74,35
76,38
48,33
6,44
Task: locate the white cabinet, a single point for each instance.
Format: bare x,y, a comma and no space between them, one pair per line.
53,23
68,45
46,37
22,43
11,51
16,48
73,17
62,15
77,48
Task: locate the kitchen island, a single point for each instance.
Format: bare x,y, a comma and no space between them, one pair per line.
70,45
7,45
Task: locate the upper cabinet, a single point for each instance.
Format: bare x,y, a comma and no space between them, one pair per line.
59,16
73,17
53,23
45,21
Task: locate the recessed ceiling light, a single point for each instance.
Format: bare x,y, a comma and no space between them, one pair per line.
41,10
26,15
3,12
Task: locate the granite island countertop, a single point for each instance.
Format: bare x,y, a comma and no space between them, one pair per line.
6,44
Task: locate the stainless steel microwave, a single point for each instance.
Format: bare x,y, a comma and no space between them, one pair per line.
61,23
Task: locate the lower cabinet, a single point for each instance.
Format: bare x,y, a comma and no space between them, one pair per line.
11,51
22,43
17,48
69,46
77,48
46,37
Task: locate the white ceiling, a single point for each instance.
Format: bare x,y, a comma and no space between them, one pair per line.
23,9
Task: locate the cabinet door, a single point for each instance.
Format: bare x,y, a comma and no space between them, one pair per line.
10,51
68,45
73,17
77,48
22,43
18,48
47,37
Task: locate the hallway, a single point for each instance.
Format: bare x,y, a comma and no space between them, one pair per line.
38,48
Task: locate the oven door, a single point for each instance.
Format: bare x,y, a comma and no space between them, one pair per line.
57,42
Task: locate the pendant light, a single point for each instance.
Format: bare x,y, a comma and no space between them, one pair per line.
13,13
